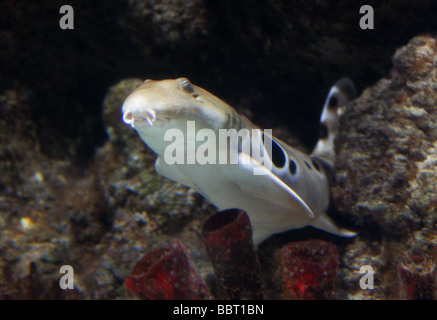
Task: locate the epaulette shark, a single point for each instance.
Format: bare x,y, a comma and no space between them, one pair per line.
280,187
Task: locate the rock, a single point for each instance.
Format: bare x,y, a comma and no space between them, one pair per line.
171,22
34,224
100,219
387,163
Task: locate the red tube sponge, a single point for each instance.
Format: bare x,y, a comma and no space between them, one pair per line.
417,274
166,274
228,241
308,269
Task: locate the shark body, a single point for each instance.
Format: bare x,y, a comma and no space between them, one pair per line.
290,189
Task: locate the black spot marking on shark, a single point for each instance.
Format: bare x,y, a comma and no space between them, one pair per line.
278,155
325,167
292,167
316,164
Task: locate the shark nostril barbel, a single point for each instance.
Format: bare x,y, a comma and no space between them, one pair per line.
128,117
152,114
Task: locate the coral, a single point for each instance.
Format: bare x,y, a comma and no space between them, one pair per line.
166,273
228,240
418,276
309,269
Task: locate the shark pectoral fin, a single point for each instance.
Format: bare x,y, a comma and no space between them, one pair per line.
172,172
265,185
325,223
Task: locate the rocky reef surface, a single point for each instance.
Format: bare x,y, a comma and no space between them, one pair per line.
100,221
78,186
387,165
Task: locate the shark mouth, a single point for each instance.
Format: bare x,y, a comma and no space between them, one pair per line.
148,116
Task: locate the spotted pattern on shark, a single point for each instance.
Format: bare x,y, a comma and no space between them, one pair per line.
292,191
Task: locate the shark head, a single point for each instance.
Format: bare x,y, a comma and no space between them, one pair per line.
157,106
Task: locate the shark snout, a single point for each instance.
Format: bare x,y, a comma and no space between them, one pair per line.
136,110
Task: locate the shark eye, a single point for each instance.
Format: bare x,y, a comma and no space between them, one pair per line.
187,86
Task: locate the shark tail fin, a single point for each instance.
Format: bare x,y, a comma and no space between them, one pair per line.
340,94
